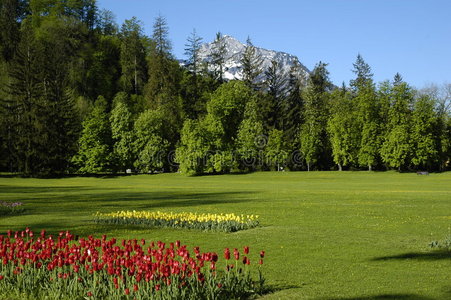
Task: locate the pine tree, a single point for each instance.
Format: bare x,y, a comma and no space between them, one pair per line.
364,77
162,88
276,83
218,56
251,62
61,43
194,42
11,11
107,23
292,109
161,37
24,104
133,57
191,82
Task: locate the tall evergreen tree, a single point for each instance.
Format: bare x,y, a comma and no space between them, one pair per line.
292,108
11,13
364,77
133,57
251,62
276,84
24,103
218,56
193,63
162,88
193,44
106,23
160,36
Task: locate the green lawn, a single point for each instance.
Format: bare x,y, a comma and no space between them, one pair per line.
327,235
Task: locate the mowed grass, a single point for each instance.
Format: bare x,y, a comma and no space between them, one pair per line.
327,235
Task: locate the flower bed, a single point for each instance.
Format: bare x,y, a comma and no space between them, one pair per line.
218,222
11,208
64,267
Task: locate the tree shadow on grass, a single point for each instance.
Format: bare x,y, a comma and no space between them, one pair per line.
138,200
433,255
8,189
383,297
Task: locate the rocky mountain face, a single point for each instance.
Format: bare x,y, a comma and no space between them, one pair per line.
235,50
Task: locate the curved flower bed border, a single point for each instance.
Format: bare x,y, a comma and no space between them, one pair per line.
65,267
214,222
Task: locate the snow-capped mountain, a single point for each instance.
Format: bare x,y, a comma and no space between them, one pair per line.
235,50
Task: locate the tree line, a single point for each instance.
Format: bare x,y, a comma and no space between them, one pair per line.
81,94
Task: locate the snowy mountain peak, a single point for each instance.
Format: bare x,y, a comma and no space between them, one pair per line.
234,53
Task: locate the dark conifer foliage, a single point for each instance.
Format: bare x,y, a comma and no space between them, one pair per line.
251,62
218,56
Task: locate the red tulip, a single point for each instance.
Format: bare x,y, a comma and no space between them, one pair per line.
127,291
227,253
246,250
236,253
89,294
262,254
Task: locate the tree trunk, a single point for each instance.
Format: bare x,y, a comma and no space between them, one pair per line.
308,167
136,78
370,168
340,168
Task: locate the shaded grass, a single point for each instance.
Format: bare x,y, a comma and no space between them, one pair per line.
431,255
327,235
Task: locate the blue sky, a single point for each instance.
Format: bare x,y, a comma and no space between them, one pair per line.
412,37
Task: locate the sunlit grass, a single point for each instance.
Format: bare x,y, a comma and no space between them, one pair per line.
327,235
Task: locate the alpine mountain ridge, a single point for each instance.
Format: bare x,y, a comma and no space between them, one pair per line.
234,50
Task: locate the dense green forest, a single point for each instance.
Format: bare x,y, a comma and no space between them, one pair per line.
81,94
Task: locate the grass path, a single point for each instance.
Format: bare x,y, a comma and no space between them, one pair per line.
328,235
